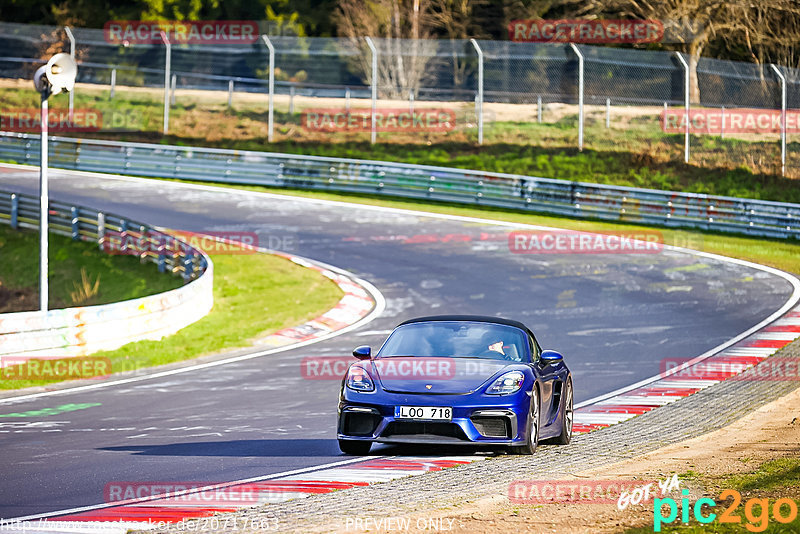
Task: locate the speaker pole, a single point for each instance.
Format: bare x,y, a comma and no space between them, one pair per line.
44,203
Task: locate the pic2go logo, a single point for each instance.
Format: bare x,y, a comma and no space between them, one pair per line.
756,511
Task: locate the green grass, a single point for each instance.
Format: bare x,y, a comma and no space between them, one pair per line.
120,277
772,480
254,294
634,152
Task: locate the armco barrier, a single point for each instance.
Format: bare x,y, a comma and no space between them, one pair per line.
562,197
83,330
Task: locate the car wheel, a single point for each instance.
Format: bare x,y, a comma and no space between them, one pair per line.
567,416
354,448
532,429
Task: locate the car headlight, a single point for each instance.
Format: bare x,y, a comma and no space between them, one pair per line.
506,383
358,379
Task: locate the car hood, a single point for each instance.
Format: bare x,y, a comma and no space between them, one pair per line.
436,375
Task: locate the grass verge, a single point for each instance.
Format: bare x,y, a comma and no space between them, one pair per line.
634,151
79,274
254,294
771,481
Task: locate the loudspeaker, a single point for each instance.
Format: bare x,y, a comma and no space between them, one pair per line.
60,73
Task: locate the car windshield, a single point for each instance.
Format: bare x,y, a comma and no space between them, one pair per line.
457,339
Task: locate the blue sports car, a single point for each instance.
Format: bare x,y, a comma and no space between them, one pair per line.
456,379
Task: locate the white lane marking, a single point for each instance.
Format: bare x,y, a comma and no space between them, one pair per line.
380,306
71,511
788,305
626,400
777,336
601,418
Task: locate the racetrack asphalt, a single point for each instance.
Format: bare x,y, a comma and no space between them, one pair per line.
615,317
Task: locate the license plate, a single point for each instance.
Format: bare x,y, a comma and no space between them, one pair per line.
424,413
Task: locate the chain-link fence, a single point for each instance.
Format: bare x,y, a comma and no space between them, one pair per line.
602,98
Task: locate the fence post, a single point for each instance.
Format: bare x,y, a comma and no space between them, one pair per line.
14,210
686,105
76,232
71,38
188,266
172,89
373,131
608,113
347,100
162,258
539,109
113,83
291,99
411,101
101,229
480,89
783,118
271,86
580,95
167,68
230,93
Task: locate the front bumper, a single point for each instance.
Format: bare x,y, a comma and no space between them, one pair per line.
478,419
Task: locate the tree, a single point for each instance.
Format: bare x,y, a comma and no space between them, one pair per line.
403,53
766,27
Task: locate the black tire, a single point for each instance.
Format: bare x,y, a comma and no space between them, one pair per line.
567,416
354,448
532,429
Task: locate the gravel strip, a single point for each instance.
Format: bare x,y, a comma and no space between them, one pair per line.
703,412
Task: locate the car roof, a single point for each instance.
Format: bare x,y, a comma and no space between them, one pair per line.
469,318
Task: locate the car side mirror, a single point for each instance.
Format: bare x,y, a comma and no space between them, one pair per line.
363,352
551,356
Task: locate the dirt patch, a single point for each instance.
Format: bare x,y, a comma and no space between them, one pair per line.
702,465
17,300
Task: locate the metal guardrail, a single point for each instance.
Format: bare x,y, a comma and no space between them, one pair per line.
82,330
112,233
443,184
